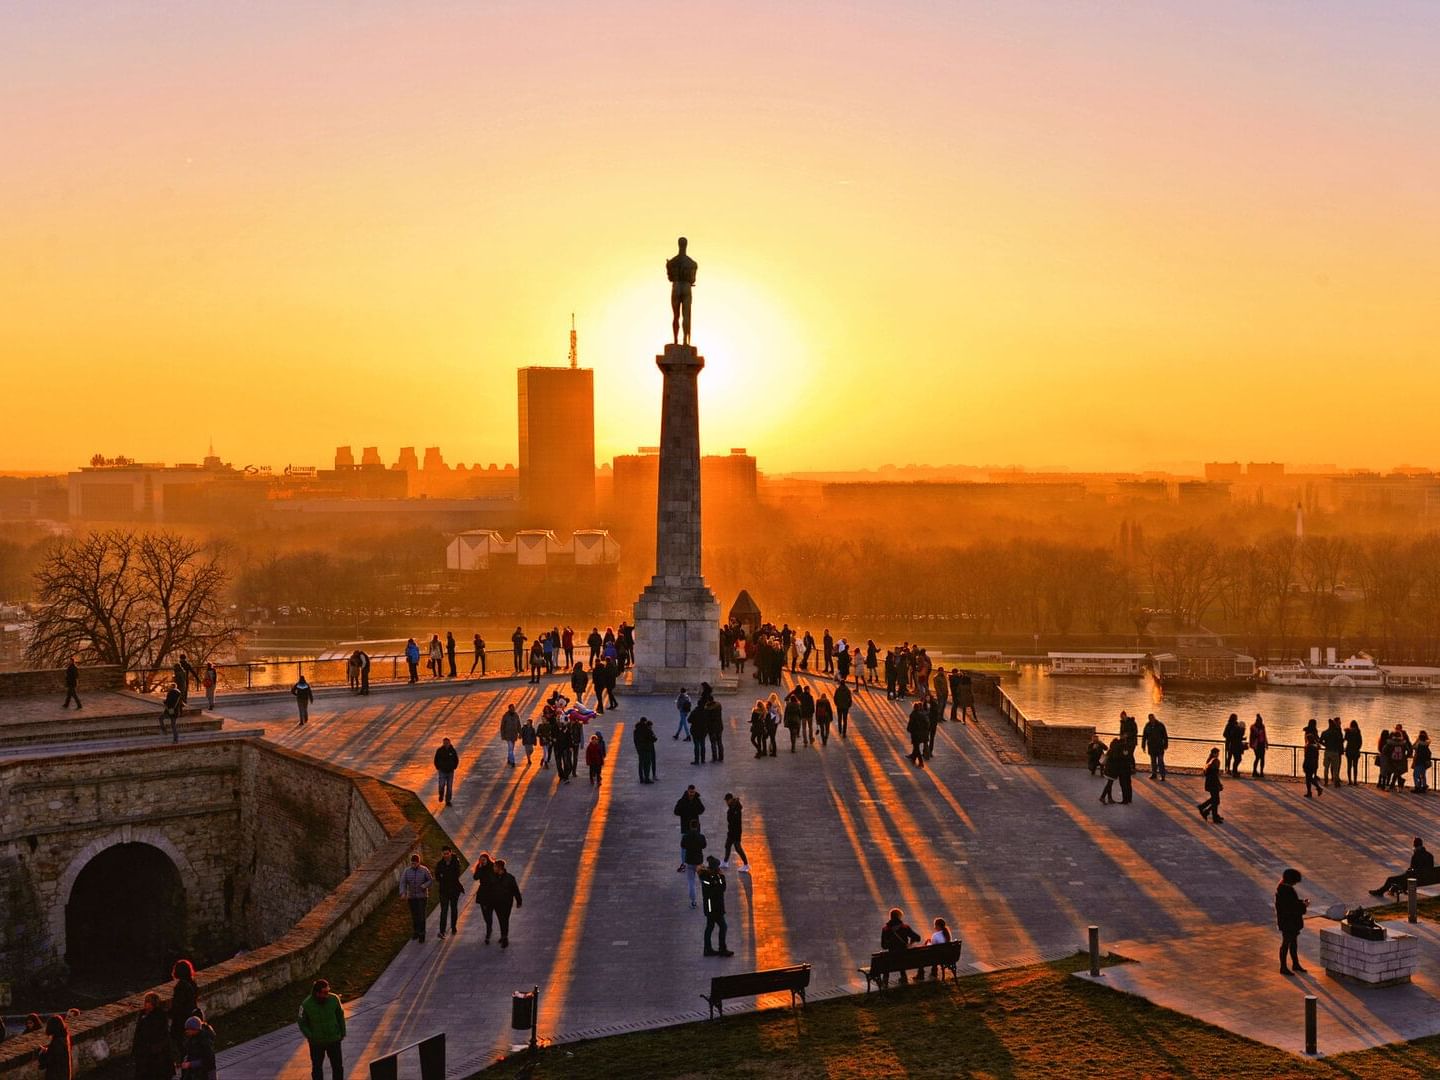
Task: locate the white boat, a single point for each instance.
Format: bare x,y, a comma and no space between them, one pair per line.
1357,673
1121,665
1412,679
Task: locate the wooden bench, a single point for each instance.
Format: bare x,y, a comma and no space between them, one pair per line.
750,983
945,956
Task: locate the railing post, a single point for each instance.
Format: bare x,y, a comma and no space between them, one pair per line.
1094,950
1311,1024
1413,896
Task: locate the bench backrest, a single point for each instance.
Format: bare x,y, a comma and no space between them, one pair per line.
903,960
760,982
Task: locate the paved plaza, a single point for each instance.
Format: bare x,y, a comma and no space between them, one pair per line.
1019,859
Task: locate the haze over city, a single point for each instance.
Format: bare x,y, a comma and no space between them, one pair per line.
1029,234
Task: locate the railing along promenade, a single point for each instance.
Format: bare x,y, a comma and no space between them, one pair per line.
282,674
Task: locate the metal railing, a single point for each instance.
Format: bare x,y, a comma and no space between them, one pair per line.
1194,753
282,674
432,1060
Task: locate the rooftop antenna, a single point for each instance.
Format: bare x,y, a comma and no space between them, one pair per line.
574,358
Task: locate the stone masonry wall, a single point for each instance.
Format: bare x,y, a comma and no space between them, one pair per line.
52,681
298,844
58,813
363,826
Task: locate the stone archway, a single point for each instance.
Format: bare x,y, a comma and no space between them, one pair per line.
133,881
125,919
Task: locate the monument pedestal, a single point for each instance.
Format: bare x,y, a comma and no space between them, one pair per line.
677,618
677,634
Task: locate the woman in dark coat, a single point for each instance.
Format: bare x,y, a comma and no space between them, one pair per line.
1210,808
485,876
1290,918
150,1049
1354,743
55,1057
184,1000
824,713
1112,769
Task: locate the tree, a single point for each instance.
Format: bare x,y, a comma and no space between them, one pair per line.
136,600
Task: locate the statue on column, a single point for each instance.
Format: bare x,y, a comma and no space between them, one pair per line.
681,271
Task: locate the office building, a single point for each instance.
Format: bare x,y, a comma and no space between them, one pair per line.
557,446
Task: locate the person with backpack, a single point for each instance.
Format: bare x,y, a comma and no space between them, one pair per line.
896,936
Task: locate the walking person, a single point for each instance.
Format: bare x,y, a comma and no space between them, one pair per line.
757,728
322,1022
1259,744
415,885
170,710
918,727
449,888
184,1000
506,896
712,892
807,714
484,875
843,700
773,713
792,718
447,760
644,738
579,681
683,707
1210,808
509,732
198,1060
208,680
1290,918
1113,753
303,697
479,661
412,660
1311,764
1354,746
967,699
733,828
1155,740
184,672
595,758
150,1045
72,684
824,714
527,740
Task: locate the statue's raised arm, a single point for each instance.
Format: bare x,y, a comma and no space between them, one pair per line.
680,269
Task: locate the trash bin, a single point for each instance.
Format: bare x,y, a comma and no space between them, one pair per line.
522,1011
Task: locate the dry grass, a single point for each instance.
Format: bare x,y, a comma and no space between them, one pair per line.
1031,1022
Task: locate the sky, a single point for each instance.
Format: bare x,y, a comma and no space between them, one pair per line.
1091,234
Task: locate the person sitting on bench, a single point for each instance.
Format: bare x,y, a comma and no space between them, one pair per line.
896,936
1422,865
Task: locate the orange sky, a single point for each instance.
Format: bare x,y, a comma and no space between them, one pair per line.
927,232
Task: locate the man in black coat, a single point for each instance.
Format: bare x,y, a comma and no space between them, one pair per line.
447,760
447,881
712,895
919,729
843,698
896,936
1290,918
1422,865
714,725
72,684
1155,740
688,809
505,891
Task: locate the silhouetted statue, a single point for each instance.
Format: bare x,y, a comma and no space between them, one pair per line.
681,271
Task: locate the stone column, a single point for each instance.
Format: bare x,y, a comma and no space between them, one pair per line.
677,618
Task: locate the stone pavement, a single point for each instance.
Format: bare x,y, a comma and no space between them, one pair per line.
1232,979
1018,859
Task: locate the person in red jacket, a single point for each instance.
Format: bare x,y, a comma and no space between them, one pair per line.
595,758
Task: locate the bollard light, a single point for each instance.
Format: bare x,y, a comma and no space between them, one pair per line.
1094,950
1310,1023
1412,887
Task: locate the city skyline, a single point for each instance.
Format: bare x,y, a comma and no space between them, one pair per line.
1034,234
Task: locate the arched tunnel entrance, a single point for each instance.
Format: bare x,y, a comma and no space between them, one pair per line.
125,920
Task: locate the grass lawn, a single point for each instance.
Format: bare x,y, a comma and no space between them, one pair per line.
1030,1022
356,964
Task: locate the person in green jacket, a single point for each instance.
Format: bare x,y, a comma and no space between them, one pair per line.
322,1022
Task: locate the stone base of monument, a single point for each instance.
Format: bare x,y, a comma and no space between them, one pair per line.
1375,963
677,637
